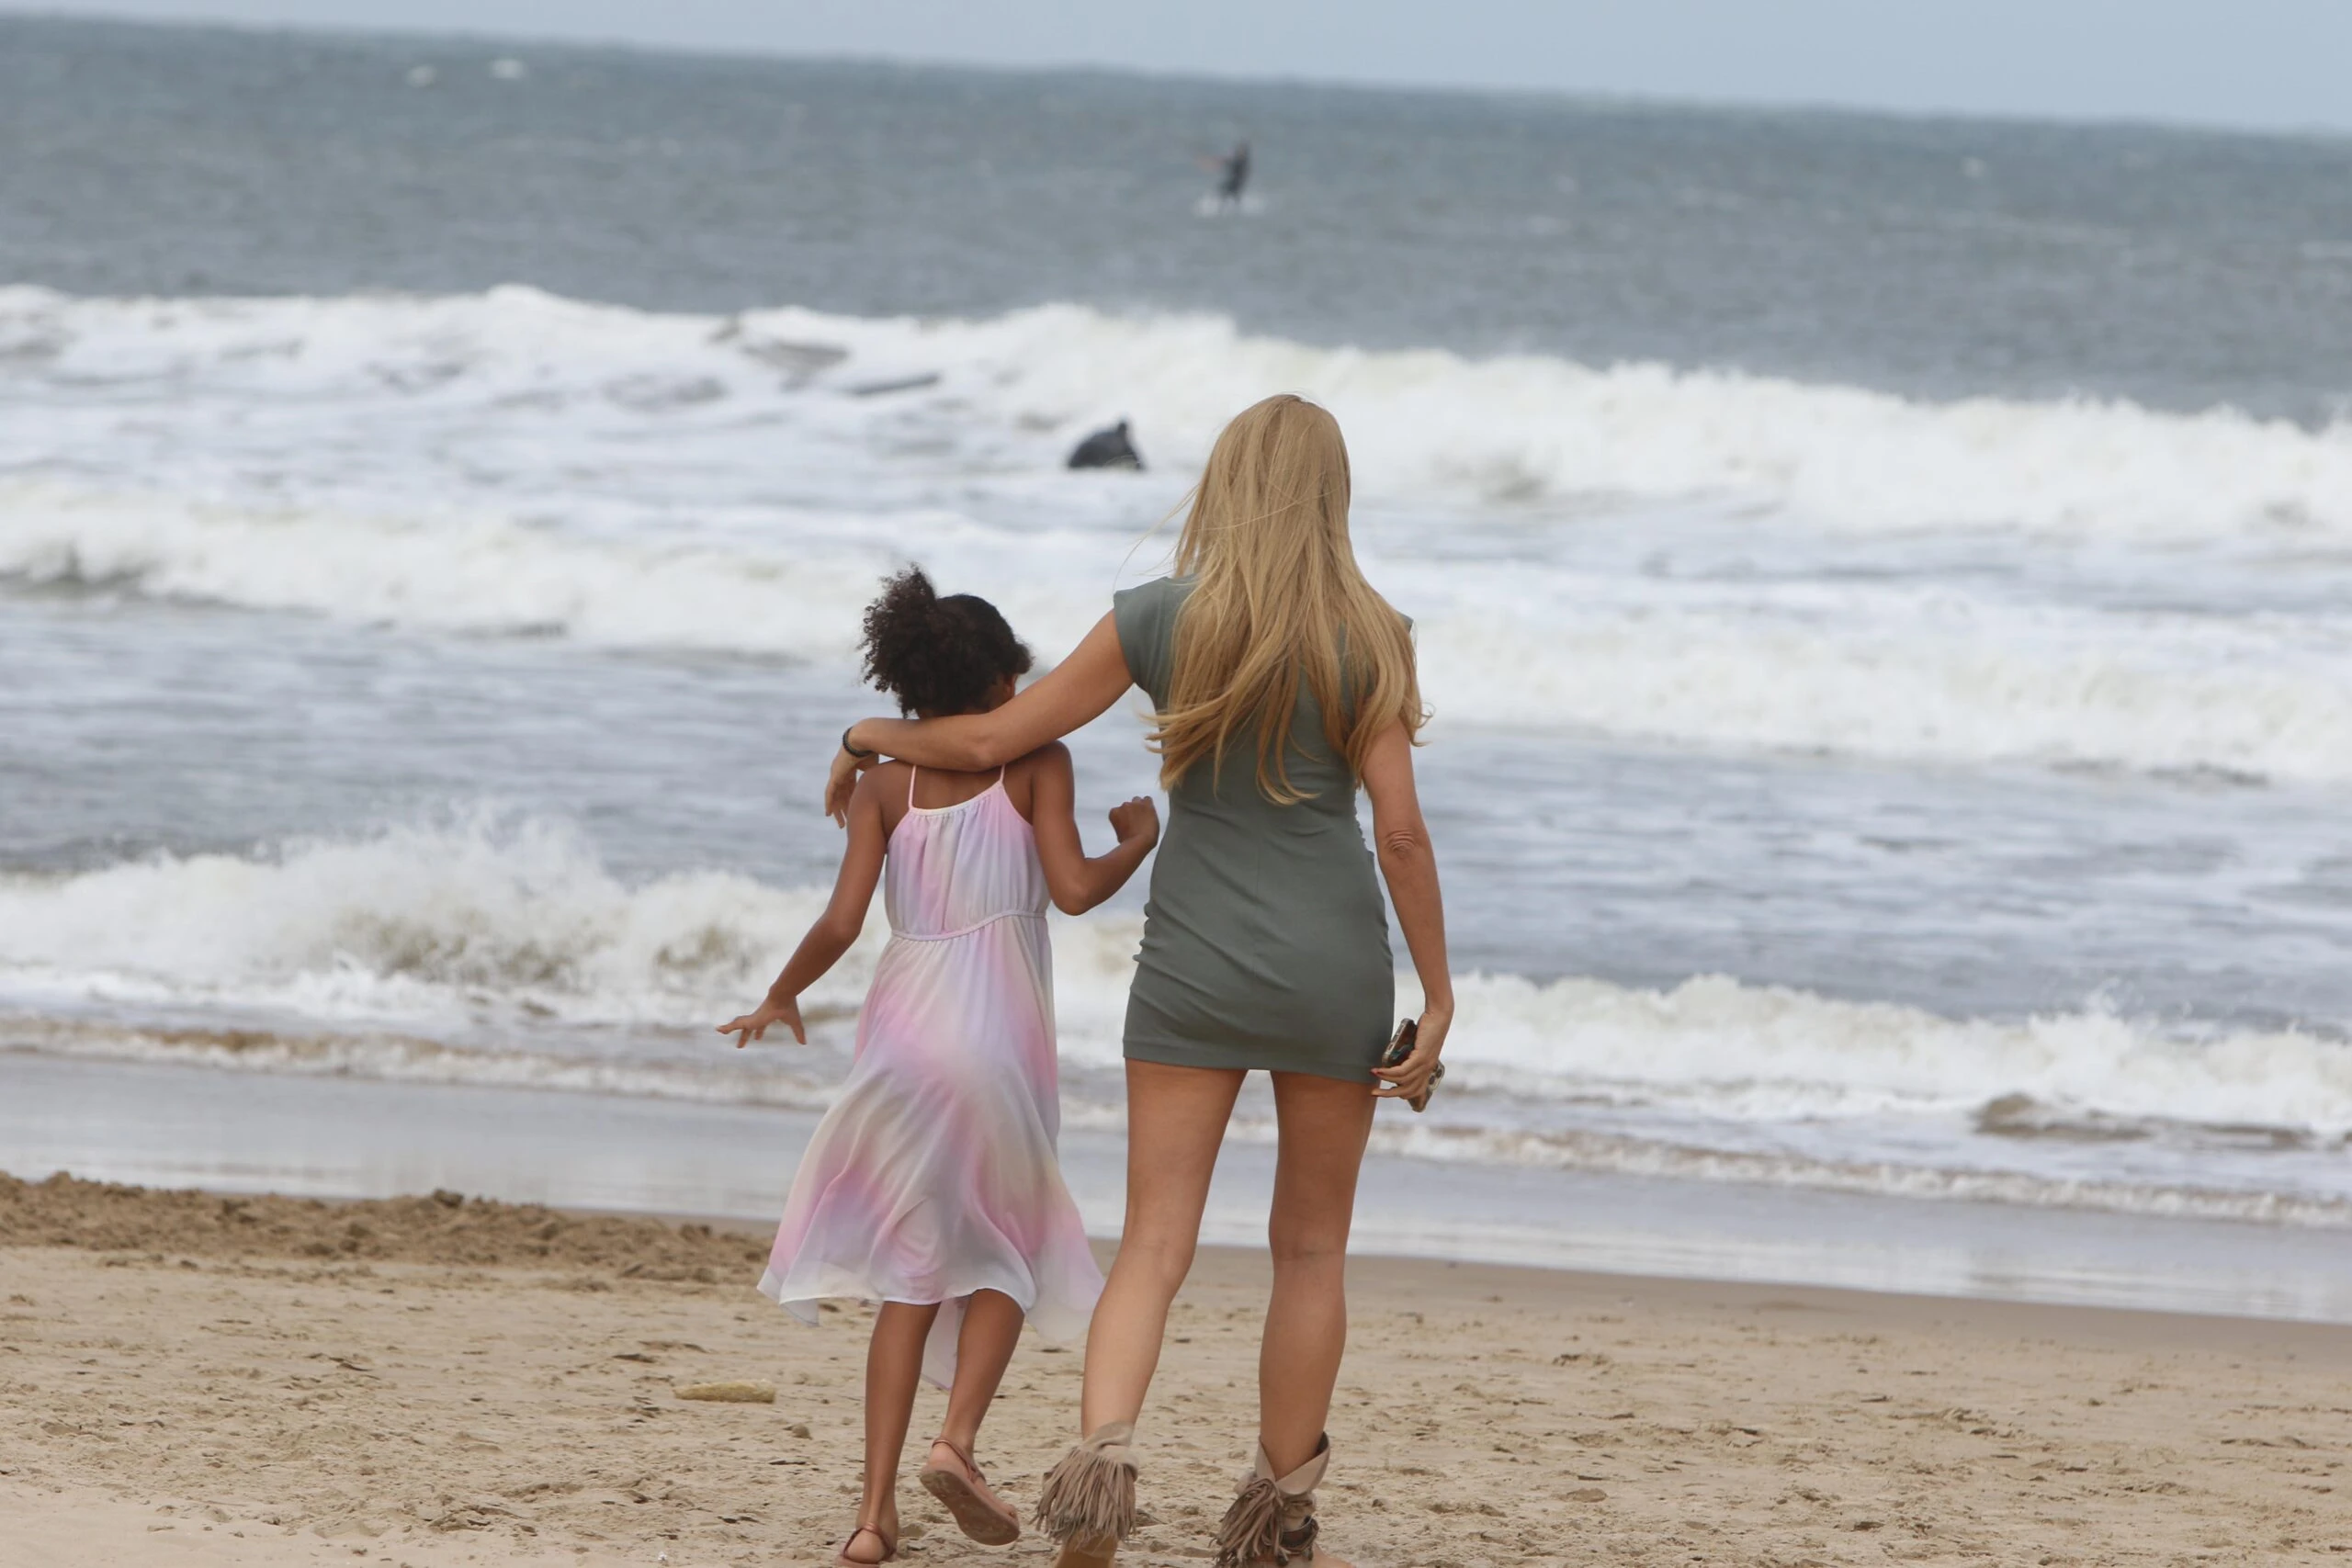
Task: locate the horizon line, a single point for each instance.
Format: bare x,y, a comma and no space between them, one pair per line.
1582,96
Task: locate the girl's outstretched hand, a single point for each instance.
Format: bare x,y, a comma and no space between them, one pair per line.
1136,819
753,1025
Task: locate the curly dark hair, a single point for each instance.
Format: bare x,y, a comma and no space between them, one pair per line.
935,655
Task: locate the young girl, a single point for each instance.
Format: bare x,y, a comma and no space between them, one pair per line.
931,1184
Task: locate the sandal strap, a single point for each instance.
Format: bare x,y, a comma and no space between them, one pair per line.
889,1547
963,1454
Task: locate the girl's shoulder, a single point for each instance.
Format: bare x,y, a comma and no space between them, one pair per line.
1052,754
1020,775
885,784
880,779
1053,757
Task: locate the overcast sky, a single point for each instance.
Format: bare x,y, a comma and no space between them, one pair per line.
2252,62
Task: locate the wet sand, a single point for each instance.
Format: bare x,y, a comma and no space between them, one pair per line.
327,1136
188,1379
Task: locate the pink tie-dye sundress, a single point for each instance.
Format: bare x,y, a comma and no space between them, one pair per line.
934,1174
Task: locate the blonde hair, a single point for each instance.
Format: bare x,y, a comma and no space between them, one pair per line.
1278,599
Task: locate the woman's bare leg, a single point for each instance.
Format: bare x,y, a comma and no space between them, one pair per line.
1176,1119
983,1349
1324,1124
893,1368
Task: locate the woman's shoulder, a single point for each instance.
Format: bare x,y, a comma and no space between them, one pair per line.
1159,594
1145,617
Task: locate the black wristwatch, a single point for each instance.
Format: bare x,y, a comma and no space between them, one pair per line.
858,753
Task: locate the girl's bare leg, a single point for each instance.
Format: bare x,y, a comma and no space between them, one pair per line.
1324,1124
893,1368
983,1349
1176,1119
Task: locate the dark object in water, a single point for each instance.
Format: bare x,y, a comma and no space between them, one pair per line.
1107,449
1236,173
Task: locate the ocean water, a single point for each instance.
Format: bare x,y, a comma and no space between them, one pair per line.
1885,586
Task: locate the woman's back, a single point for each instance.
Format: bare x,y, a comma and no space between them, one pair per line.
1146,621
1265,940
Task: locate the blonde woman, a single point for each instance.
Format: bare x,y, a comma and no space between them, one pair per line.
1281,682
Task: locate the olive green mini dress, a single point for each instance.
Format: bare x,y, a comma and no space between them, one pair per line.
1265,942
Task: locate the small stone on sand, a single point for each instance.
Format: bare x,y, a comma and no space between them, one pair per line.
730,1393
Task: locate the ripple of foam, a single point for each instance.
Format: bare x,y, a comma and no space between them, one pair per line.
480,931
1508,428
396,1058
1625,1156
417,1060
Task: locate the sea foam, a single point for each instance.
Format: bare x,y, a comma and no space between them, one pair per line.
1511,428
1869,670
406,947
515,462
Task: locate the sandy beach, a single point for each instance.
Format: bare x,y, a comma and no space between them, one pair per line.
1876,556
194,1379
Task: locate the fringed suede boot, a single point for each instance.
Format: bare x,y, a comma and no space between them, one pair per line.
1272,1522
1088,1502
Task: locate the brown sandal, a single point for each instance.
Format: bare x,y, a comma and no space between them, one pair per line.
890,1548
1272,1524
964,1494
1088,1502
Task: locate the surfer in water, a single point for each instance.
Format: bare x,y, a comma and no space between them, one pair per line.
1234,173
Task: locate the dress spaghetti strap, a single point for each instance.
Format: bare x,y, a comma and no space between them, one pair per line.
914,772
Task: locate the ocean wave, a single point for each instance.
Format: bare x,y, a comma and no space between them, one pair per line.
478,924
476,573
1771,1053
1907,676
1871,671
472,922
1507,429
511,462
481,933
1523,428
